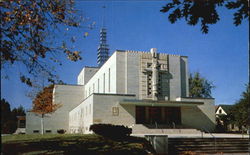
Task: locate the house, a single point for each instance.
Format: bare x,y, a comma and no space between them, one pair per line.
21,120
222,113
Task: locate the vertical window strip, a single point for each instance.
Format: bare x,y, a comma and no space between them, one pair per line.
109,79
98,88
103,82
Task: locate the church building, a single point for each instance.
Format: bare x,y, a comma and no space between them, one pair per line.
147,91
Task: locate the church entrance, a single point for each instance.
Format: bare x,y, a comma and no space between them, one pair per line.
158,115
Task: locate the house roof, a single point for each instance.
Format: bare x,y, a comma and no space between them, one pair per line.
225,107
216,107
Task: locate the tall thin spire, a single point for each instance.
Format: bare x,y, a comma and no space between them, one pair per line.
103,50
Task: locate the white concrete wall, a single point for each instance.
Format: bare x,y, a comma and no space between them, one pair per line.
200,117
132,69
107,84
69,96
102,108
81,117
86,74
184,76
97,108
175,80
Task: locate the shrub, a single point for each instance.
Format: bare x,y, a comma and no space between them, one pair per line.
111,131
61,131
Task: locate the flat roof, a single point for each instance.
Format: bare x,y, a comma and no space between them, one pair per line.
160,103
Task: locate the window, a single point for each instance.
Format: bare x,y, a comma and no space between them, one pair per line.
90,109
98,86
103,82
220,111
109,79
35,131
115,111
149,65
149,84
93,88
47,131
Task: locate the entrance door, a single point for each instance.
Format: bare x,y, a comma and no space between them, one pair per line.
154,115
172,115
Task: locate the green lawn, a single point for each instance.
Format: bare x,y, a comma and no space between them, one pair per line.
73,144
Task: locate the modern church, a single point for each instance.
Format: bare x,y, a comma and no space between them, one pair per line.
146,91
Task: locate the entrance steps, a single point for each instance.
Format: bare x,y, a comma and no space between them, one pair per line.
141,129
208,145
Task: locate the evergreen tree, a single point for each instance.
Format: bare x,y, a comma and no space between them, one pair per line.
240,109
199,86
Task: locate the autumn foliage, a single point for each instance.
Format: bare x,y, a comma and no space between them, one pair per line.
28,35
43,103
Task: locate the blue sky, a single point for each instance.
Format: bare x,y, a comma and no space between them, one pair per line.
221,55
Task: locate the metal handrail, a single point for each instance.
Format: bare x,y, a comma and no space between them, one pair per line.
156,126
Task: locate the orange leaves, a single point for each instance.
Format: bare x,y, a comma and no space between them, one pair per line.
73,56
43,103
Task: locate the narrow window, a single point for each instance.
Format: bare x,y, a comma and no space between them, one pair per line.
103,82
93,88
47,131
89,91
109,79
90,109
98,88
35,131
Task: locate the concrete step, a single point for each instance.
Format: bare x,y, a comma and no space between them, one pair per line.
207,145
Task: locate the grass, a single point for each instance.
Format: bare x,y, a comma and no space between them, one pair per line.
73,144
37,137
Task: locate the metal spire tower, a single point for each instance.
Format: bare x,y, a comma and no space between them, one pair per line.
103,50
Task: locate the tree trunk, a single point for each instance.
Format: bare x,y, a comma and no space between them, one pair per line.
42,130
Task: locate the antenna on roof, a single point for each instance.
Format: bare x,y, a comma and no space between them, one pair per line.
103,50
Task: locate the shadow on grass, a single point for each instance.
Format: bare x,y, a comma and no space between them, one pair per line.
78,144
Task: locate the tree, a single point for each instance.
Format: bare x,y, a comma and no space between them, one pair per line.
205,11
20,111
199,86
28,35
9,117
43,104
240,109
5,116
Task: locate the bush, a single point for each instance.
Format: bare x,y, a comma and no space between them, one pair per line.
111,131
61,131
